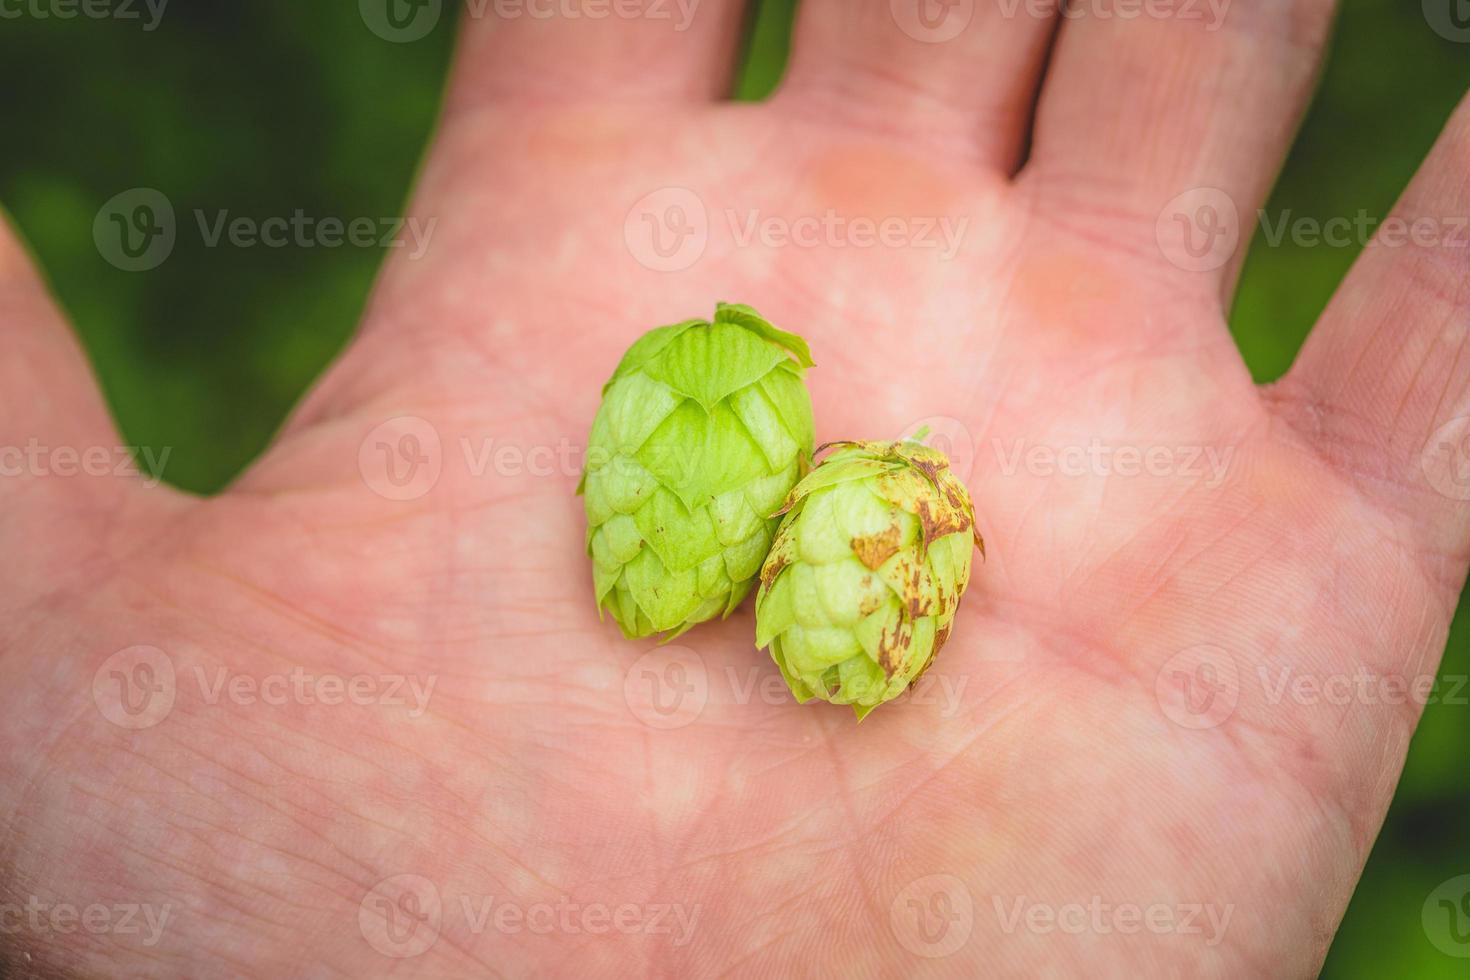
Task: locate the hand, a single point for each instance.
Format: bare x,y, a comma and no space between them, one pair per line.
1114,723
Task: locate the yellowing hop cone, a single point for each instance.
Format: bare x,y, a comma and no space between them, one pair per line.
862,584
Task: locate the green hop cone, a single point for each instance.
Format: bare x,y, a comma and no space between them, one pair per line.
703,430
863,581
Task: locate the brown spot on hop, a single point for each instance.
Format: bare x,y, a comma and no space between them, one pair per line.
929,467
870,604
953,494
773,566
874,549
843,443
939,521
914,599
893,645
940,636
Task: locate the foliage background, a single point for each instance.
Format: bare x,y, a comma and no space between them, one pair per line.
277,105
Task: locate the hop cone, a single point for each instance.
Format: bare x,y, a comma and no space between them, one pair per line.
865,576
703,429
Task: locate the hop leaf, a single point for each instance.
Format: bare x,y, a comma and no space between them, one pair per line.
704,428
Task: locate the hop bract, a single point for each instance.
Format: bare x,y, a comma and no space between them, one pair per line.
863,581
703,429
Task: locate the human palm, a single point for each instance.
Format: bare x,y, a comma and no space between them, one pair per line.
1106,728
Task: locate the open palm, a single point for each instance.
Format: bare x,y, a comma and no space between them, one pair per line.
357,715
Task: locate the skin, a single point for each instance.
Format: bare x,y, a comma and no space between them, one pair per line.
1056,760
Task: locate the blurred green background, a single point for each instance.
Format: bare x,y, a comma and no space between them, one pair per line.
278,105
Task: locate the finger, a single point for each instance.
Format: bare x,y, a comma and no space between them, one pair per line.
47,395
560,51
962,75
65,474
1384,380
1184,110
